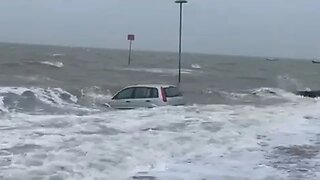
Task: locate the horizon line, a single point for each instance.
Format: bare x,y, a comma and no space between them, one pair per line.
148,50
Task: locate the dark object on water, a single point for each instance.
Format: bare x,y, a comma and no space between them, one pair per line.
312,94
316,61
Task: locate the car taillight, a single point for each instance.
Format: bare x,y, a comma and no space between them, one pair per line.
163,94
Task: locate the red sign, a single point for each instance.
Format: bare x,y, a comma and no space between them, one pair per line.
131,37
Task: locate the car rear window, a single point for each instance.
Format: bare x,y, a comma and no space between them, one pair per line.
172,92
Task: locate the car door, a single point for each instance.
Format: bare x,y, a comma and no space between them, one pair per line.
145,97
123,99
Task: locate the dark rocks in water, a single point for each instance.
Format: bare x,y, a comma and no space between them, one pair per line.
311,94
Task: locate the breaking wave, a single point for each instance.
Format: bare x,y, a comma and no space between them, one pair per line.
57,55
273,93
263,95
56,64
195,66
36,99
192,142
95,96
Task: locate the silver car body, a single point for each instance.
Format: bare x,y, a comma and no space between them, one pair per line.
147,96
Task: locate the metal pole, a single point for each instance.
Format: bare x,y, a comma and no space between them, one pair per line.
180,32
129,60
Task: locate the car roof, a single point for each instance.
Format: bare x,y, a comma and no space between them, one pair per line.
151,85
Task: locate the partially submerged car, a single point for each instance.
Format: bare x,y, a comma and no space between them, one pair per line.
148,96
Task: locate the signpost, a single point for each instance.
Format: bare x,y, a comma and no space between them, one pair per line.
130,39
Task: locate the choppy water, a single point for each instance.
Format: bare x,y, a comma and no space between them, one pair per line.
242,121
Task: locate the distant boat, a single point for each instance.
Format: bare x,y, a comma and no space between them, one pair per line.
316,61
57,55
272,59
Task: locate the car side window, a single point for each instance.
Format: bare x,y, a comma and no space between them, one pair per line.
125,94
144,92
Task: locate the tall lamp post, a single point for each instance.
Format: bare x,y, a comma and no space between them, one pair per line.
180,2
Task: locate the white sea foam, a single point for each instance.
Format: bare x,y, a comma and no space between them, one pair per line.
274,93
56,64
2,107
195,66
96,93
263,93
195,142
57,55
49,95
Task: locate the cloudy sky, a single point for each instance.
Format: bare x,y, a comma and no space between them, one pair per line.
285,28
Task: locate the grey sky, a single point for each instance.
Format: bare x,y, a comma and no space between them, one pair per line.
287,28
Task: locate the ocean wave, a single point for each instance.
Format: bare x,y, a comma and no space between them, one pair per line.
192,142
256,95
49,95
274,93
253,78
195,66
2,106
12,64
266,91
34,78
57,55
33,98
56,64
95,95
